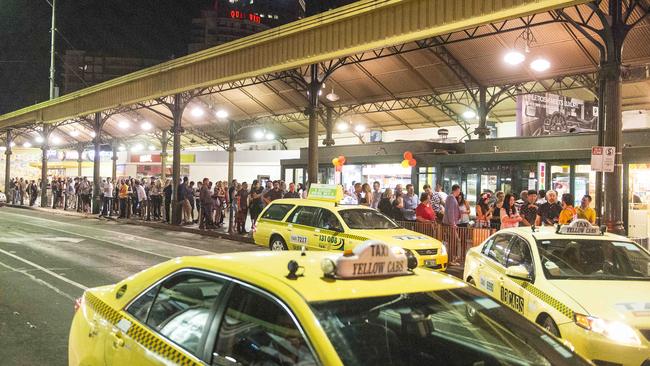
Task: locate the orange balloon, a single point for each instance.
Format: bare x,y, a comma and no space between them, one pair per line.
342,159
405,163
408,155
412,163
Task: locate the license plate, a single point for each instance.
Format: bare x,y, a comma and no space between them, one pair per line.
430,263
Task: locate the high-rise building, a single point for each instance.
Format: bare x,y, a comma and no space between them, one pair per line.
232,19
318,6
81,69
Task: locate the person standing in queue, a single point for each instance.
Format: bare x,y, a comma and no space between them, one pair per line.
509,216
124,197
528,210
568,213
385,205
242,208
167,192
273,194
549,212
410,203
205,198
256,205
292,192
424,212
585,212
376,195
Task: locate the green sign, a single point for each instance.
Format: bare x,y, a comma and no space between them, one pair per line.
325,192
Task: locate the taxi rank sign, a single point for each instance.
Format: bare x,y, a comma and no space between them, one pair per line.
372,259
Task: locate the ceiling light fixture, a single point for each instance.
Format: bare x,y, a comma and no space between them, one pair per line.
332,97
222,114
514,58
27,145
197,112
540,64
359,128
93,134
74,133
469,114
56,140
12,144
137,147
342,126
123,124
146,125
270,136
39,139
258,134
152,148
122,148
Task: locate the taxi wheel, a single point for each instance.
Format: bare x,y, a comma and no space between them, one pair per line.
550,325
277,244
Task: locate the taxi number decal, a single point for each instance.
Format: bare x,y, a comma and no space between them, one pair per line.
487,284
511,299
337,243
298,239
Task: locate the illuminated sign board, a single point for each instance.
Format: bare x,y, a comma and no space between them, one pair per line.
238,14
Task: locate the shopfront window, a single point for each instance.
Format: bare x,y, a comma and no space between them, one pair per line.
426,175
639,200
585,183
451,176
388,175
561,179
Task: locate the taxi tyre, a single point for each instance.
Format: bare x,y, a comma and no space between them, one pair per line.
547,323
277,243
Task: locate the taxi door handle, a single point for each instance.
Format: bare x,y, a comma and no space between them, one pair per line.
118,341
289,227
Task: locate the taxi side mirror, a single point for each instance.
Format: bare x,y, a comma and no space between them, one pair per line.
519,272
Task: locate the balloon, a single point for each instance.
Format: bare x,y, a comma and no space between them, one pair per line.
412,163
408,155
335,161
405,163
342,159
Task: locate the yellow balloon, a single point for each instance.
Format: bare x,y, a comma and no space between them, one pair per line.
335,161
405,163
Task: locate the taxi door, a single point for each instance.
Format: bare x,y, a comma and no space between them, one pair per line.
328,231
519,254
491,272
301,230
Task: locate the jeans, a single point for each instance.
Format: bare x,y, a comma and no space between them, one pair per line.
106,206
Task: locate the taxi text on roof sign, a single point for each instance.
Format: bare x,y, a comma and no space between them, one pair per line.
325,192
580,227
370,259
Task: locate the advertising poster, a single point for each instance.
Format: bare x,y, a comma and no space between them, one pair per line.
551,114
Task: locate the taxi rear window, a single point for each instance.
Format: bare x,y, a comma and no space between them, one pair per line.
277,211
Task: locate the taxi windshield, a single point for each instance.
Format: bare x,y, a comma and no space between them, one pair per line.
448,327
364,219
591,259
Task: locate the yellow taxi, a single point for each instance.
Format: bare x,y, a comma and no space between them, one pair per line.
367,306
582,284
322,223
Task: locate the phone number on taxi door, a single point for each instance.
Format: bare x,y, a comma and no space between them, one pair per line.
335,241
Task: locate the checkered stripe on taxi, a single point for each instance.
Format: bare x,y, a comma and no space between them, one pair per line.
553,302
140,334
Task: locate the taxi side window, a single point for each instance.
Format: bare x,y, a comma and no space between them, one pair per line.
180,309
519,254
328,221
304,215
497,250
256,330
277,211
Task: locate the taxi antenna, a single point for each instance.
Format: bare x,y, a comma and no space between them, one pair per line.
532,227
303,251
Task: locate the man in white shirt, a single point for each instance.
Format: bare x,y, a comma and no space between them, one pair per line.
142,198
376,194
107,190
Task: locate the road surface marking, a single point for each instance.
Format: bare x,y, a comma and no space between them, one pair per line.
110,231
53,274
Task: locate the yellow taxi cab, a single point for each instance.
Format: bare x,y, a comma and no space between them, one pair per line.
582,284
321,223
367,306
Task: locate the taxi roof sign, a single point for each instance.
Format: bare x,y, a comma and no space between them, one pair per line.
370,259
325,192
579,227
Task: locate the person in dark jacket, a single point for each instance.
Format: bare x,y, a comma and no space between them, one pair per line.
167,191
385,206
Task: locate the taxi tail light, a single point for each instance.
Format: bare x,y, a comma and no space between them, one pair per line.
78,303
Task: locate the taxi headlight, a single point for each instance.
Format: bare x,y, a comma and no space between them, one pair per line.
443,249
615,330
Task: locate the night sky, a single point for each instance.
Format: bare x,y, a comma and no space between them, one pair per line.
158,29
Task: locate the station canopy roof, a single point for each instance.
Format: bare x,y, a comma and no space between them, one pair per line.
426,83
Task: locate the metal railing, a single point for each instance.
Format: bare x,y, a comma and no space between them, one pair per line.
457,240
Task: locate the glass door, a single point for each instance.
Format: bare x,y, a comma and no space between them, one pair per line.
639,199
561,179
584,183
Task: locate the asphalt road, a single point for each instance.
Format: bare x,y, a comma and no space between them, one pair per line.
46,261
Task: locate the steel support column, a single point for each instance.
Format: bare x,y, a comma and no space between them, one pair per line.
329,127
177,114
44,148
163,157
97,200
114,167
482,130
80,150
8,164
312,111
601,142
